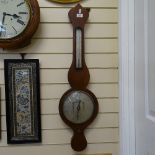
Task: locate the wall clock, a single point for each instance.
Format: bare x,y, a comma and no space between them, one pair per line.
78,106
65,1
19,20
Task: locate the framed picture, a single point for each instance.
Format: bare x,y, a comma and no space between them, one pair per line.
0,113
22,101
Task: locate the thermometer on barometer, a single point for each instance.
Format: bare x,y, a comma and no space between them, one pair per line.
78,38
78,49
78,75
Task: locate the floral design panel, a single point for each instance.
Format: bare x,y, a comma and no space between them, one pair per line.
23,100
23,112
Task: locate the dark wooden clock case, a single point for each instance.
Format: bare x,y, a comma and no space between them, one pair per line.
24,38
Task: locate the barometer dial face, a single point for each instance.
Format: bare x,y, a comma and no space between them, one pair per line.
78,107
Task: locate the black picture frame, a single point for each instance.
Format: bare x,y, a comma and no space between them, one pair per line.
0,115
22,91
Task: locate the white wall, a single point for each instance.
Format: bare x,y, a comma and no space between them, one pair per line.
52,45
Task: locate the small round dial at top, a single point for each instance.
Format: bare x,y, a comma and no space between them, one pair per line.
14,17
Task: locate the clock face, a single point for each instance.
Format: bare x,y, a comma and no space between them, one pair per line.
14,17
78,107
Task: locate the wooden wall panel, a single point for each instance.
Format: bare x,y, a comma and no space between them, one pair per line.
59,76
51,122
50,106
54,30
52,91
85,3
48,15
64,60
51,46
58,149
63,136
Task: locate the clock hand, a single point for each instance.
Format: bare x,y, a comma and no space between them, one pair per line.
2,30
78,109
73,107
2,27
83,105
14,15
4,14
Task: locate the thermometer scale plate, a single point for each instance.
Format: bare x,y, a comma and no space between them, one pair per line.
78,49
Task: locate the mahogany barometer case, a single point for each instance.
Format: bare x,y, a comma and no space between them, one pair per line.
78,106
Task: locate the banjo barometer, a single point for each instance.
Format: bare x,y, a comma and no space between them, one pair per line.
78,106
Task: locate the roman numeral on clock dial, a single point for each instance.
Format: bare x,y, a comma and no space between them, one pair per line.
14,29
20,22
20,4
22,13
